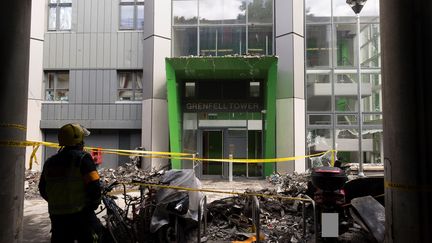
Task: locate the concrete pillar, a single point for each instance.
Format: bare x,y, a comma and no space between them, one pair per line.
290,100
157,46
15,27
35,93
406,37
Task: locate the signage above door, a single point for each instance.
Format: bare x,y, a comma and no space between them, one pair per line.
222,106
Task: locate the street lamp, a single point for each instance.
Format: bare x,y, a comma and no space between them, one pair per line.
357,6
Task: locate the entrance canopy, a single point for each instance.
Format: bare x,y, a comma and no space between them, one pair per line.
221,67
180,69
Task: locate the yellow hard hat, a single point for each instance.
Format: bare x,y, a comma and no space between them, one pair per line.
72,134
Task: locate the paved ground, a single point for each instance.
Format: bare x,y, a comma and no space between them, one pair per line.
37,223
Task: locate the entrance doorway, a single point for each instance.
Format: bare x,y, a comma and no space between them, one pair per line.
220,144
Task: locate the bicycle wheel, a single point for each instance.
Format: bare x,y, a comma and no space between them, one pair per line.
119,230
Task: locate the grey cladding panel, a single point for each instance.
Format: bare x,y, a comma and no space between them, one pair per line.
92,86
140,50
78,111
113,85
85,87
64,111
66,50
52,52
106,87
128,50
112,112
59,51
119,112
57,111
44,111
134,48
93,50
73,50
78,86
92,112
87,16
80,9
86,51
105,112
71,111
84,112
107,51
114,50
126,112
94,16
99,86
114,16
99,110
80,50
72,82
121,50
107,15
100,50
46,50
100,15
51,111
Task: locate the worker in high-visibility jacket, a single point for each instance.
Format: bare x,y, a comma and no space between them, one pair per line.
70,184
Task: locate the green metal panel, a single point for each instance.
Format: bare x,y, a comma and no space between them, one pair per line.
174,114
270,118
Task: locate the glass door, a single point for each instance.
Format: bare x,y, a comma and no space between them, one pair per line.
212,148
236,145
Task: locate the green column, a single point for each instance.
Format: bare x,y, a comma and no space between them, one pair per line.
270,118
174,114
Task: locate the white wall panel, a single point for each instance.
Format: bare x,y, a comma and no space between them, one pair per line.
284,134
163,48
299,133
284,50
162,18
299,65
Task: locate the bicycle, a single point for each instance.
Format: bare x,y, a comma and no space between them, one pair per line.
117,221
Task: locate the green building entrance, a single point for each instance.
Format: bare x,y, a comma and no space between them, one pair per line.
222,107
235,142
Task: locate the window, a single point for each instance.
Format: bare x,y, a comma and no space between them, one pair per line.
222,27
59,15
131,14
57,86
130,85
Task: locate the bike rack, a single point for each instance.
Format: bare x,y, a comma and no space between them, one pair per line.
202,206
256,217
314,217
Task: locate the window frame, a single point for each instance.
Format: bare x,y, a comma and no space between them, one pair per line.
54,90
58,5
134,75
134,4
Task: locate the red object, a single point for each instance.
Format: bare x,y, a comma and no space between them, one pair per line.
97,156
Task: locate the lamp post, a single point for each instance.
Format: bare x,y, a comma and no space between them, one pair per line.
357,6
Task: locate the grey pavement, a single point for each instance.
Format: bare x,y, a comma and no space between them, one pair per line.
37,224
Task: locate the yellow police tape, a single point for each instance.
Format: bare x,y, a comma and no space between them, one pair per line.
16,126
162,155
210,191
403,187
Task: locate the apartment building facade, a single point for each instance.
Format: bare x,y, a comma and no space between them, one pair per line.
247,78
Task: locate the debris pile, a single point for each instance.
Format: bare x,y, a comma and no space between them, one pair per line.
129,173
31,190
290,184
281,220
